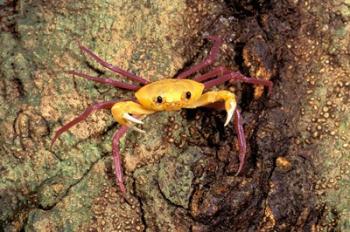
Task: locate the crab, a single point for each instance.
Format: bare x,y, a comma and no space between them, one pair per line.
170,94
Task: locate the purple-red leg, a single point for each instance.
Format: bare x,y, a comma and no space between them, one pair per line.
111,67
116,158
238,124
116,138
107,81
236,76
217,72
242,145
208,61
83,116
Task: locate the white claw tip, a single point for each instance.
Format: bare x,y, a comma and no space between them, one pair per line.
130,118
138,130
229,114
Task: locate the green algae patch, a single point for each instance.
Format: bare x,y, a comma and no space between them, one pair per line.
175,176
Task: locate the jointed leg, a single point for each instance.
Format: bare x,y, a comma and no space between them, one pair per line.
111,67
236,76
107,81
217,72
122,114
230,106
116,158
208,61
242,145
83,116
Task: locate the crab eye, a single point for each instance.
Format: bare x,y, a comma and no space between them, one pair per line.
159,99
188,94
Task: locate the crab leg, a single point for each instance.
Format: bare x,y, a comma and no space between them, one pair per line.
208,61
218,71
107,81
115,145
116,158
236,76
242,145
111,67
81,117
210,99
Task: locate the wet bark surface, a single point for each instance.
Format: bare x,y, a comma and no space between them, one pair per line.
180,176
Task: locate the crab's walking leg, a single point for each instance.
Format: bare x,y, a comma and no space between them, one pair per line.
242,145
121,112
230,106
217,72
208,61
107,81
116,158
236,76
111,67
81,117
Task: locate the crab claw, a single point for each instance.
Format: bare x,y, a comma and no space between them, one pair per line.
130,118
230,109
138,129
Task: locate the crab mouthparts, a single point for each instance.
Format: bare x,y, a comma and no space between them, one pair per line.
170,106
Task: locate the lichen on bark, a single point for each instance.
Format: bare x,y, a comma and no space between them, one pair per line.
181,175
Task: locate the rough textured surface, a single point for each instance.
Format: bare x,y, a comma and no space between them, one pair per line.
181,176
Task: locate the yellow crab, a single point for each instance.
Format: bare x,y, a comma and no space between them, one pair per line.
166,95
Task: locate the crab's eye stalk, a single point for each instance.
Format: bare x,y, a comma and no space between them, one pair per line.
159,99
188,95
